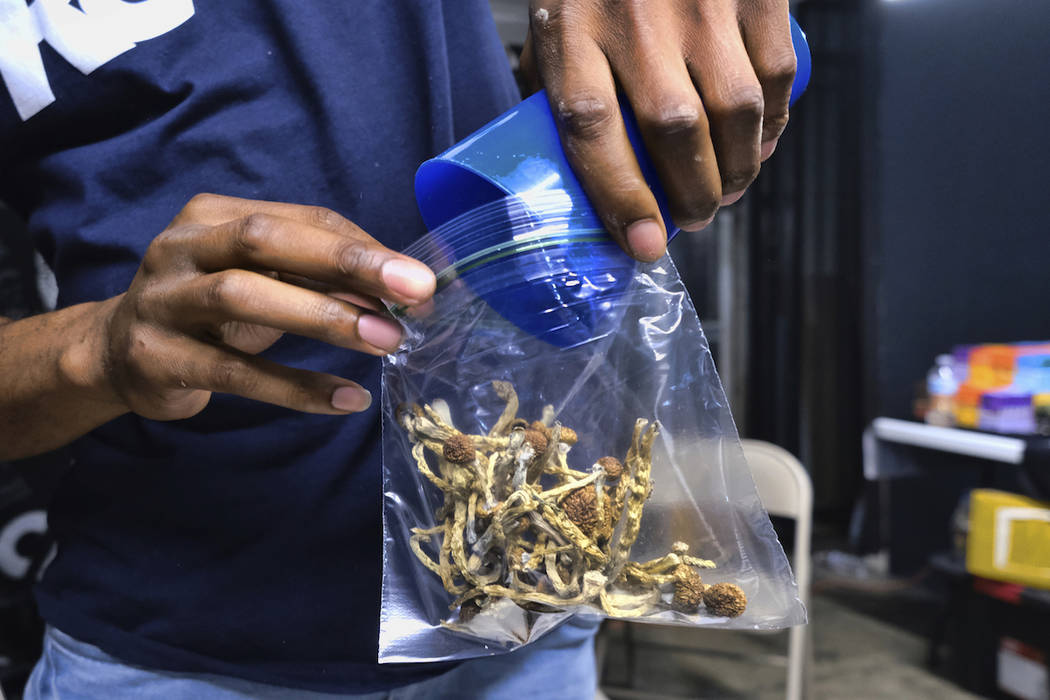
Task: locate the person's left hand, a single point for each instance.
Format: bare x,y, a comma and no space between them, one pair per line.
708,80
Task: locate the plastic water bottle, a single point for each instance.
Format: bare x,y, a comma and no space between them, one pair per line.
941,385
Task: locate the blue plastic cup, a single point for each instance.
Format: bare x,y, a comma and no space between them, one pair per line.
519,154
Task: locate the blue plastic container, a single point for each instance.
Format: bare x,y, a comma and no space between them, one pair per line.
563,284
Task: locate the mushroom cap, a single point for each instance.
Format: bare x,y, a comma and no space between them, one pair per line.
688,589
725,600
538,426
612,466
537,439
581,507
568,436
458,449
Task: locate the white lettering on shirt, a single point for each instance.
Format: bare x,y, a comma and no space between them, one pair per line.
89,36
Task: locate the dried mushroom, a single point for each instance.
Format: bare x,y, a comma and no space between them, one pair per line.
568,436
581,506
540,427
725,600
519,523
688,589
458,449
612,466
538,439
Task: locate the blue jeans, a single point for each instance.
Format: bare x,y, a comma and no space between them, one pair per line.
559,666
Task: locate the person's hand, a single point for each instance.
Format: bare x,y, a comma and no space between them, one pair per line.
225,280
708,80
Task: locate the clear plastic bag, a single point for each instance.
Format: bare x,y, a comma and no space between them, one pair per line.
495,538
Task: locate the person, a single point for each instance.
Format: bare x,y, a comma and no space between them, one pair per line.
213,357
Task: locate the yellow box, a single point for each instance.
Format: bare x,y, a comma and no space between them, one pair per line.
1009,538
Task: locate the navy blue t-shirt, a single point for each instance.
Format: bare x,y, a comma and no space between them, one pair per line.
244,541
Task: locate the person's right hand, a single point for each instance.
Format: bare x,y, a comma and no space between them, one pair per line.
709,83
225,280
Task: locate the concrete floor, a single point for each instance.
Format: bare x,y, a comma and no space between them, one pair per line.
857,657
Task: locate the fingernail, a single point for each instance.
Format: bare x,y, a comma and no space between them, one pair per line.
732,198
412,280
351,398
646,240
768,147
380,332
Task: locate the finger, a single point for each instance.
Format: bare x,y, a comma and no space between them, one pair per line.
767,36
214,209
583,99
732,97
422,311
361,264
767,149
361,300
364,302
218,369
673,125
239,295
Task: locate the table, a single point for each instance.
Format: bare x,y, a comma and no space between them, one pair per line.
979,615
913,517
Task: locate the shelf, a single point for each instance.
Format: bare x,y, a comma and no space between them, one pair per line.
998,448
909,516
953,567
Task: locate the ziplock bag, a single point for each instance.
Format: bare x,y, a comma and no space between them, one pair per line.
556,442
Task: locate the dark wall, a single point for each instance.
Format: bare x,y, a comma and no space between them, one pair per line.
959,234
800,225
